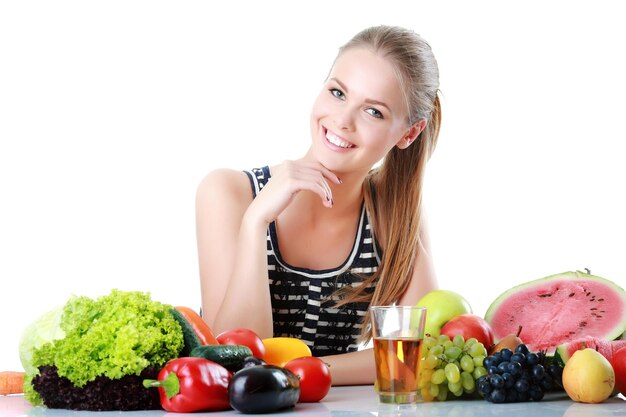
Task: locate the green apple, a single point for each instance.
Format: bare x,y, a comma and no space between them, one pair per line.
441,306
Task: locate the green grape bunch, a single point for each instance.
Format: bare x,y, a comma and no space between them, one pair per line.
450,366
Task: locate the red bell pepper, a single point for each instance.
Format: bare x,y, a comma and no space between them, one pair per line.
191,384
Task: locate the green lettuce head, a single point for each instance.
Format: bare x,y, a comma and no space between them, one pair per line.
115,335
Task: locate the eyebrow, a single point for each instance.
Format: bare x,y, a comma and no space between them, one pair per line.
367,100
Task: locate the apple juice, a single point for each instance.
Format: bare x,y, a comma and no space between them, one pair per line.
397,366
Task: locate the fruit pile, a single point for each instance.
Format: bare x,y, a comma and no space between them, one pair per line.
586,313
450,366
518,376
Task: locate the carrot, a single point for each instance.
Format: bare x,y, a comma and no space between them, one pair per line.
11,382
203,331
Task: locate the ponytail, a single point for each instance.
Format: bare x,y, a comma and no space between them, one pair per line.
393,194
393,191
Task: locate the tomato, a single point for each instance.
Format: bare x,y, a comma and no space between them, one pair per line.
619,366
280,350
244,337
315,379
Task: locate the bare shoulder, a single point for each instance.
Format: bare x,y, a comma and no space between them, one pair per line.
226,187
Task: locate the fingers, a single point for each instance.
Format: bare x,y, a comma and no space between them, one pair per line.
329,174
315,177
321,187
326,175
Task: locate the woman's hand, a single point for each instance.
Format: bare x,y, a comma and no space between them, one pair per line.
287,180
354,368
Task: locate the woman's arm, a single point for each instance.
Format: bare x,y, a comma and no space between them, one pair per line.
231,254
232,240
354,368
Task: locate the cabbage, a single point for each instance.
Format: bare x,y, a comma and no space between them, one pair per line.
44,329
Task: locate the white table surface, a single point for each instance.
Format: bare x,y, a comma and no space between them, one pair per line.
361,401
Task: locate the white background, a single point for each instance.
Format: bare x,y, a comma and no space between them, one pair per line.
111,112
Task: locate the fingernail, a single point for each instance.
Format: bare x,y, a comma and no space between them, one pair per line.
340,182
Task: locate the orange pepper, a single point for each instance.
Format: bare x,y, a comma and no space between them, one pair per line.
280,350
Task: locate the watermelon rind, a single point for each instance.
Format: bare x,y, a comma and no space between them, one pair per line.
558,359
607,348
561,353
618,327
563,350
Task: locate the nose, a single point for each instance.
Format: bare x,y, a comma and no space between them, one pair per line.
344,119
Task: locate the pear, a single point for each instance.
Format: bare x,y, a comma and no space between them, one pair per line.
588,377
509,341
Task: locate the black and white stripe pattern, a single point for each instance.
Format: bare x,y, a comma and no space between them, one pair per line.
303,300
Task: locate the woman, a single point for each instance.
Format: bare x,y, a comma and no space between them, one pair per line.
329,234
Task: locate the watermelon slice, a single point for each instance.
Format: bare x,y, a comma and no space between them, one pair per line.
605,348
559,309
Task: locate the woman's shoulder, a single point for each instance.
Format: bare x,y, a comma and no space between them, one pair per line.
225,184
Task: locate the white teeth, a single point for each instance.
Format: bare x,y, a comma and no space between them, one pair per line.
337,141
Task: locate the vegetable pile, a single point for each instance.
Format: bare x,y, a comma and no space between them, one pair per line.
124,351
110,346
235,375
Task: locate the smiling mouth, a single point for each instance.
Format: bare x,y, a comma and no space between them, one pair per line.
337,140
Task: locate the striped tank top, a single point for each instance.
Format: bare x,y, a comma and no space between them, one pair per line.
303,299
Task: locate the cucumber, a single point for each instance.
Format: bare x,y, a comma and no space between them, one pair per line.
230,357
190,338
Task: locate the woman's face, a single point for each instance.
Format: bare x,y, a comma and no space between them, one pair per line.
360,114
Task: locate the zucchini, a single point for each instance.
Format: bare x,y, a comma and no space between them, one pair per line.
230,357
190,338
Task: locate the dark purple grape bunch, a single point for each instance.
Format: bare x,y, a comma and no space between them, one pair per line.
518,376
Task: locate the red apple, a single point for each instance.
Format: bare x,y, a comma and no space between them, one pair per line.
619,366
469,325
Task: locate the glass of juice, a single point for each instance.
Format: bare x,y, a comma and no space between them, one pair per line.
398,332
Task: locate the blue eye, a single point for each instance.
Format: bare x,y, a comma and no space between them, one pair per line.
337,93
375,113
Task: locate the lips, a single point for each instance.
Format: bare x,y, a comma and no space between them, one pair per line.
337,140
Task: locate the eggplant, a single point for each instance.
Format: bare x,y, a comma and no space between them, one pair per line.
263,389
252,361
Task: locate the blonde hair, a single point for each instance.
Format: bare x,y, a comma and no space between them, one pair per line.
393,190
